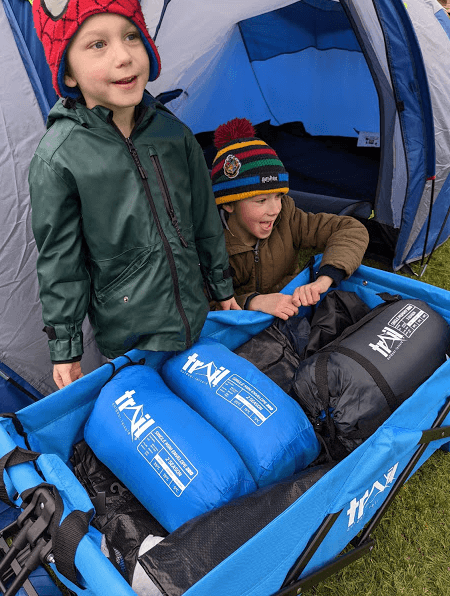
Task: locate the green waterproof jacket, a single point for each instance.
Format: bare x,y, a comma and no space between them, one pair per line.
125,229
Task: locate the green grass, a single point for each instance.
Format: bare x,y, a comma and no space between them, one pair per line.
412,552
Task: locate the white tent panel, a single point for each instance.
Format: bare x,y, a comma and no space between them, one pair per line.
200,29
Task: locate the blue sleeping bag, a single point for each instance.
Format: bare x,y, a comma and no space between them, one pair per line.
169,457
267,427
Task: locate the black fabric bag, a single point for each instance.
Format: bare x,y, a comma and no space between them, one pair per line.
122,519
352,385
337,311
205,541
278,350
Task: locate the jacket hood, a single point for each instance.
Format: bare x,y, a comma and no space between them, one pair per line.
76,110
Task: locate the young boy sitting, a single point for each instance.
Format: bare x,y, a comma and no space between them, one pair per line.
122,206
264,230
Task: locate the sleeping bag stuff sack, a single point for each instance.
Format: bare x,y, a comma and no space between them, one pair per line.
352,385
172,460
266,426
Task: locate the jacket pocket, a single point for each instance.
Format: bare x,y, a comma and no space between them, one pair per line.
122,281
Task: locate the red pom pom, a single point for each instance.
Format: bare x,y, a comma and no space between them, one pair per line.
239,128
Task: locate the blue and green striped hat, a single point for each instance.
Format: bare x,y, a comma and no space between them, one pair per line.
245,166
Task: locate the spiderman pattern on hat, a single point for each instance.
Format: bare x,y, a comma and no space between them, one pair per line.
57,21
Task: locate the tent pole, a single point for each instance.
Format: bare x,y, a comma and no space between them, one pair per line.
17,386
433,180
435,242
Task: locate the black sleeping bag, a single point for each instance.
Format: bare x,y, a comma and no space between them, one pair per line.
352,385
278,350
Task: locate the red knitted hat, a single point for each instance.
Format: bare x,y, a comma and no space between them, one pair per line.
56,22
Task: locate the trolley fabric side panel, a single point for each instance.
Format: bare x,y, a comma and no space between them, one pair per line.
356,486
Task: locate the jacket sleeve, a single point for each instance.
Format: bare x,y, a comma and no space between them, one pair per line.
208,230
342,239
64,282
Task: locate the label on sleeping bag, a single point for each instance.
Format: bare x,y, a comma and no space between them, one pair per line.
168,461
236,390
167,455
406,342
399,329
266,426
247,399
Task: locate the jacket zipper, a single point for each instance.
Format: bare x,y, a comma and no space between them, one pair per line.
257,266
166,196
168,250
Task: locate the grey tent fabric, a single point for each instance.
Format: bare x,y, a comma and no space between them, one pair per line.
393,179
23,345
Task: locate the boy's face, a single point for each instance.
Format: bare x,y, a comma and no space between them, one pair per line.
254,218
108,61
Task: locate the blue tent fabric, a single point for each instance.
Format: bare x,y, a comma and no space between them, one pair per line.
411,88
356,487
443,18
32,53
316,23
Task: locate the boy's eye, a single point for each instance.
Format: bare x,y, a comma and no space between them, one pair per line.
98,45
133,36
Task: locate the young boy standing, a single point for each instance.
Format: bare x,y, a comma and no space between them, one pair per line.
122,207
264,230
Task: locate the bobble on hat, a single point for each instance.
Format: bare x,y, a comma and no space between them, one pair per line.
245,166
239,128
57,21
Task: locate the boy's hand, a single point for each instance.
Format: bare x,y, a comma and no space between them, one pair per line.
309,294
64,374
278,305
230,304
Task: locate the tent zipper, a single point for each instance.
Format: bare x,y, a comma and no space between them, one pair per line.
166,196
168,250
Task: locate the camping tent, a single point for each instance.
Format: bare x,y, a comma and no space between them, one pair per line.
319,77
341,69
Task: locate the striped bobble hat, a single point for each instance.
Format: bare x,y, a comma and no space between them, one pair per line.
245,166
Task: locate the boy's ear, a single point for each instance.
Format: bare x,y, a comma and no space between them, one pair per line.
68,79
229,207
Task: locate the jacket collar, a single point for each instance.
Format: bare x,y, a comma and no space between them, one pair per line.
99,115
234,243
